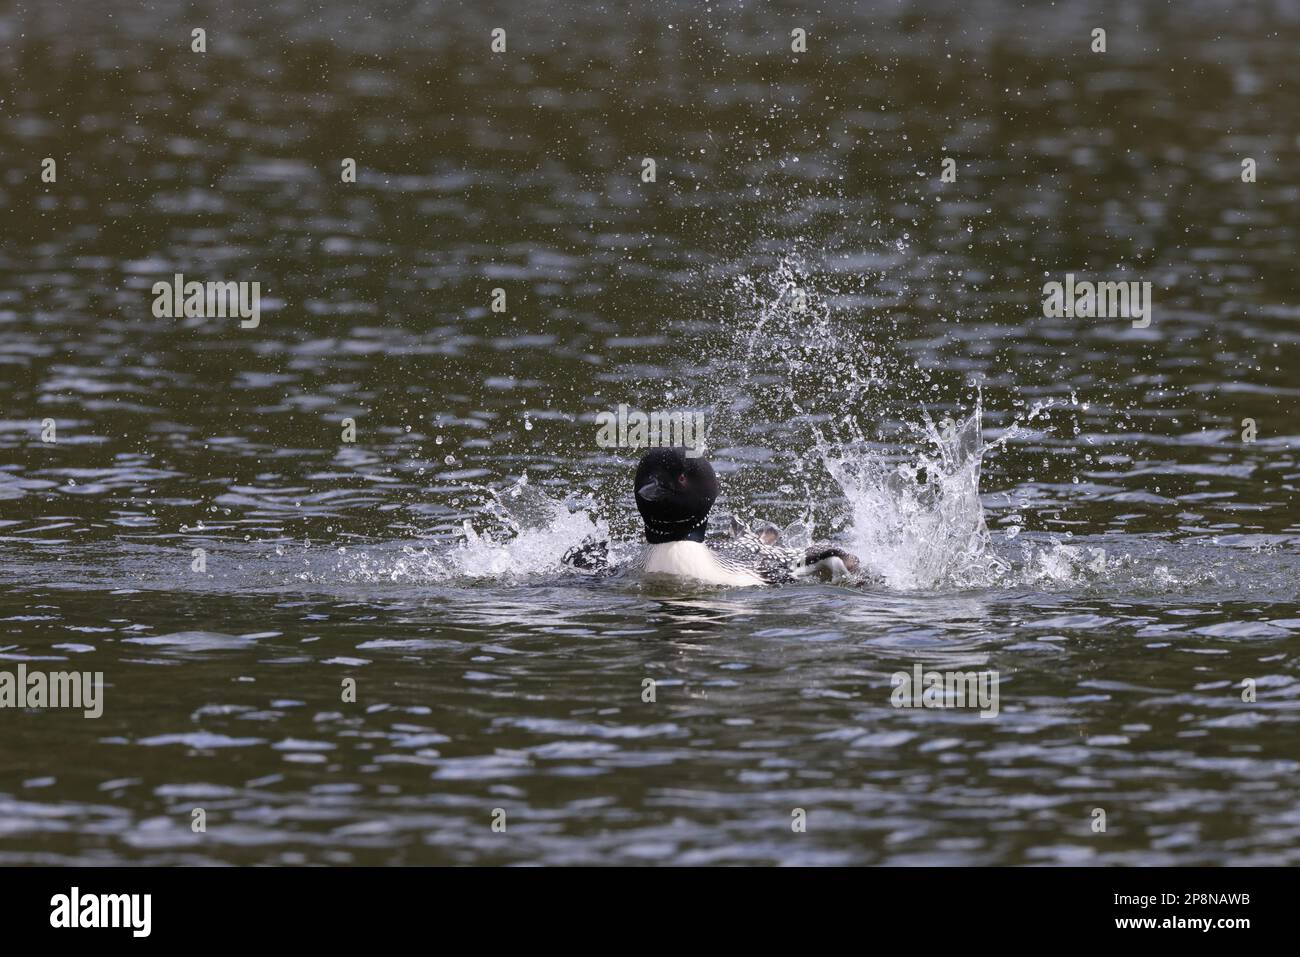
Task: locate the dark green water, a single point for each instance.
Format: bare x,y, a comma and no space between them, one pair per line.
1141,560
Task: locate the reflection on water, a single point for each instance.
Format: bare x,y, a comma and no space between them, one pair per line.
1143,557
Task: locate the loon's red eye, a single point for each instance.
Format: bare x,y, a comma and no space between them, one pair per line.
681,480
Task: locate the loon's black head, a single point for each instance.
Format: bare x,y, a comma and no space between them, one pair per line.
674,494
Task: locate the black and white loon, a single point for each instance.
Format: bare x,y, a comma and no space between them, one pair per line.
674,493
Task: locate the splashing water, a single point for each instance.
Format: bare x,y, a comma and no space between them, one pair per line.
909,504
831,386
920,524
533,549
530,533
838,394
522,533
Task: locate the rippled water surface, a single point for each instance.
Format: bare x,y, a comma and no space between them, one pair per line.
1127,565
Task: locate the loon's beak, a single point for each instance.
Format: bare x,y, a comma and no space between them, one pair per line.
652,491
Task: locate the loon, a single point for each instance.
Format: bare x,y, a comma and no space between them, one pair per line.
674,493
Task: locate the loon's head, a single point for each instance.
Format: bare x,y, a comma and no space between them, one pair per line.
674,494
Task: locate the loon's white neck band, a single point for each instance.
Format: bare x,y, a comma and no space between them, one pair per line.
682,530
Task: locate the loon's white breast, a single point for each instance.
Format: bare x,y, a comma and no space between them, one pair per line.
695,560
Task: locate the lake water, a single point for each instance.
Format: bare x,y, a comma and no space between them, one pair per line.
198,530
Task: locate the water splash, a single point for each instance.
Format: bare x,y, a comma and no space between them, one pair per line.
835,391
518,534
531,534
787,361
818,400
844,404
917,522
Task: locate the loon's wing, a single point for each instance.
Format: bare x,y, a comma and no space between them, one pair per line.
828,562
778,565
591,554
751,553
765,533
